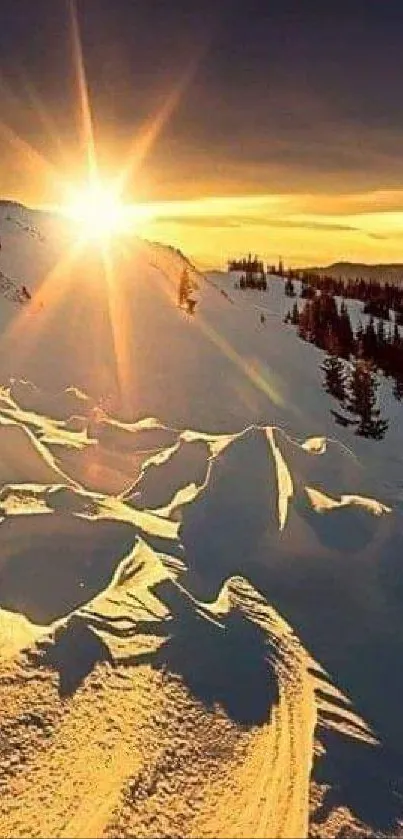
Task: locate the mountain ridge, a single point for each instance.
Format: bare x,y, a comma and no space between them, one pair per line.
377,272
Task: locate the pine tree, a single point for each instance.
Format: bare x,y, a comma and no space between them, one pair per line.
287,318
295,314
345,332
380,333
305,322
335,376
370,340
362,400
398,387
289,288
185,288
307,291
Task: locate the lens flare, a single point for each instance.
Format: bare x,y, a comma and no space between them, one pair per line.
97,210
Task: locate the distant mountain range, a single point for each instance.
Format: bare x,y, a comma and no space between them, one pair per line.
388,272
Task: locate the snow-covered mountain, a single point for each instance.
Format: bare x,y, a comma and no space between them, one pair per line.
200,576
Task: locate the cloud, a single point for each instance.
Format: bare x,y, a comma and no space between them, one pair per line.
234,221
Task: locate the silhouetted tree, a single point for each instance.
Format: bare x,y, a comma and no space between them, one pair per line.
361,400
295,314
289,289
398,387
369,340
306,323
185,288
345,332
307,291
335,376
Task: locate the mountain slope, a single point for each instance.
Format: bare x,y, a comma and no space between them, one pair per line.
199,584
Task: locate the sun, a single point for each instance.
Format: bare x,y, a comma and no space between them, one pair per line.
97,209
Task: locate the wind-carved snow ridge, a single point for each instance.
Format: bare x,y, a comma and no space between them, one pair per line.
155,620
321,502
132,618
284,480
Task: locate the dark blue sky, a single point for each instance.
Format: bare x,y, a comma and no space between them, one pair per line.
280,95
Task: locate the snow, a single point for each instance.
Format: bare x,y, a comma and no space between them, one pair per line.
200,574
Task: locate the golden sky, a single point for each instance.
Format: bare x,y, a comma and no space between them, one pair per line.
212,225
237,132
303,229
215,218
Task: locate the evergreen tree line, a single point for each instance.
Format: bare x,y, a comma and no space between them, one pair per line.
379,298
355,386
322,323
249,265
249,280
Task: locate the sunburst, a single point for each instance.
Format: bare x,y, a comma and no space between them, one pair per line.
98,211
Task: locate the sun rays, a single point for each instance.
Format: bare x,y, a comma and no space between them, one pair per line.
97,211
91,269
99,215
